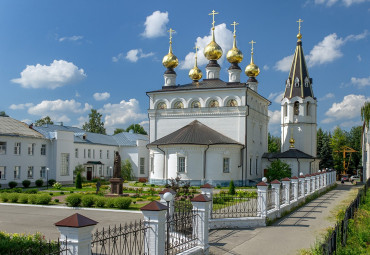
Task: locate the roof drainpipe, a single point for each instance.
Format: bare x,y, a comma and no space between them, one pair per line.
299,166
164,164
242,162
205,162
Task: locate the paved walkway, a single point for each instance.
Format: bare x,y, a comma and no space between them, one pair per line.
290,234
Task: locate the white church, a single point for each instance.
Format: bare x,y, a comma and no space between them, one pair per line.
214,131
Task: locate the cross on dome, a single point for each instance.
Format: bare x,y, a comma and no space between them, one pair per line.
234,24
252,42
213,13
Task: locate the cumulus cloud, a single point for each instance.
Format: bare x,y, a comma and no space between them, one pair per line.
57,74
124,113
326,51
361,82
266,67
71,38
134,55
359,58
276,97
20,106
275,117
346,3
224,38
101,96
349,108
155,24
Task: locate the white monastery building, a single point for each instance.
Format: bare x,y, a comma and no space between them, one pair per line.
365,141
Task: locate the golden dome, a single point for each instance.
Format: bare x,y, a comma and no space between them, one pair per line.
291,141
170,60
234,55
195,74
213,51
299,36
252,70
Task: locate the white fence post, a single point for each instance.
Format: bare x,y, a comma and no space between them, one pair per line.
294,180
308,183
262,199
201,221
155,218
172,202
286,183
325,178
76,230
302,187
317,177
313,182
276,186
207,189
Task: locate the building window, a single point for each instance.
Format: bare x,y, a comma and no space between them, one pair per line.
43,172
89,153
17,149
142,165
84,153
31,149
93,153
285,108
100,171
17,172
178,105
213,104
296,108
256,165
2,172
195,104
296,82
181,165
76,153
2,148
308,108
108,171
162,106
30,172
43,149
232,103
107,154
152,164
226,165
64,168
101,154
250,165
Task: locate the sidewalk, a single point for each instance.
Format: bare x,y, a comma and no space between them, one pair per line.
290,234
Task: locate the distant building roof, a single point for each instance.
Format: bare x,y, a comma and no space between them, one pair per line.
291,153
129,139
195,133
13,127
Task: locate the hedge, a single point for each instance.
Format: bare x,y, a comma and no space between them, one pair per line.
88,201
75,200
41,199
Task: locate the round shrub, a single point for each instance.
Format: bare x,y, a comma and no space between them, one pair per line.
13,197
39,182
23,198
62,193
32,199
51,193
109,203
5,197
87,201
73,200
51,182
56,200
100,201
31,191
26,183
57,185
43,199
122,202
12,184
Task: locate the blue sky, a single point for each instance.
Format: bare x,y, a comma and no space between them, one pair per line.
62,58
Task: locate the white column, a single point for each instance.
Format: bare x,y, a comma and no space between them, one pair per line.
155,218
262,199
301,179
295,187
317,177
201,221
276,186
207,189
308,183
325,179
169,79
286,183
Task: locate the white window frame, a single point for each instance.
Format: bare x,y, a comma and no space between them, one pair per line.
88,153
30,172
101,154
43,172
43,150
31,149
3,148
2,172
226,165
179,165
142,165
107,154
17,172
76,152
84,153
64,164
93,153
17,148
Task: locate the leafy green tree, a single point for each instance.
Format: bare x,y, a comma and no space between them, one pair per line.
137,128
78,181
337,142
273,143
231,188
126,170
365,113
3,114
278,170
79,169
43,121
95,124
324,150
118,130
355,143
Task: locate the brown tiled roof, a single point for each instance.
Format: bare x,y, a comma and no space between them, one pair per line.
206,186
262,184
195,133
275,182
154,206
76,221
200,198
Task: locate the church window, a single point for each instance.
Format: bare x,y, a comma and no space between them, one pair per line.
142,165
256,164
161,106
296,108
152,163
213,103
306,82
178,105
285,108
250,165
181,165
296,82
287,83
195,104
308,108
232,103
226,165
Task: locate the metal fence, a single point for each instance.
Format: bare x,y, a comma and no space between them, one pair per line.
42,248
130,239
282,194
339,234
242,204
271,193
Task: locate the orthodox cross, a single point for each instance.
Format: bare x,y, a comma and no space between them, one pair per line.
213,13
234,24
252,42
171,31
299,27
196,50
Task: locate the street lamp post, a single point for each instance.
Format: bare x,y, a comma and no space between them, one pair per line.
47,178
110,171
168,198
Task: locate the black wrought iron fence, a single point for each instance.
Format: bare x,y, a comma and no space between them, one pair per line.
282,194
271,193
339,234
242,204
59,247
128,239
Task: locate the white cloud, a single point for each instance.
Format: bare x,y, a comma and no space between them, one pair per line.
101,96
71,38
284,64
327,96
57,74
20,106
133,55
349,108
155,24
266,67
124,113
361,82
118,57
224,38
276,97
275,117
346,3
359,58
27,121
77,94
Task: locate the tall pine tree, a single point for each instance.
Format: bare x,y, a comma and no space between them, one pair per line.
95,124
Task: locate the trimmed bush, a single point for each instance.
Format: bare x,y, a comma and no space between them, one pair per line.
32,199
100,201
25,244
13,197
23,198
5,197
43,199
26,183
51,182
122,202
56,200
87,201
109,203
231,188
74,200
39,182
31,191
78,181
17,190
12,184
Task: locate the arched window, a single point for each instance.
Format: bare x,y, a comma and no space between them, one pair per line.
296,82
195,104
308,108
285,108
178,105
287,83
296,108
161,106
306,82
232,103
213,103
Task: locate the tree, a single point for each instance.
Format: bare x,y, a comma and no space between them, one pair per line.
95,124
78,181
273,143
43,121
126,170
231,188
3,114
337,142
365,113
118,130
354,138
278,170
324,150
79,169
137,128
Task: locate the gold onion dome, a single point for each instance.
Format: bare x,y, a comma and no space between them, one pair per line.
234,55
291,141
252,70
195,73
213,51
170,60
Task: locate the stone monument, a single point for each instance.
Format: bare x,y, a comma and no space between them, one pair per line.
116,181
